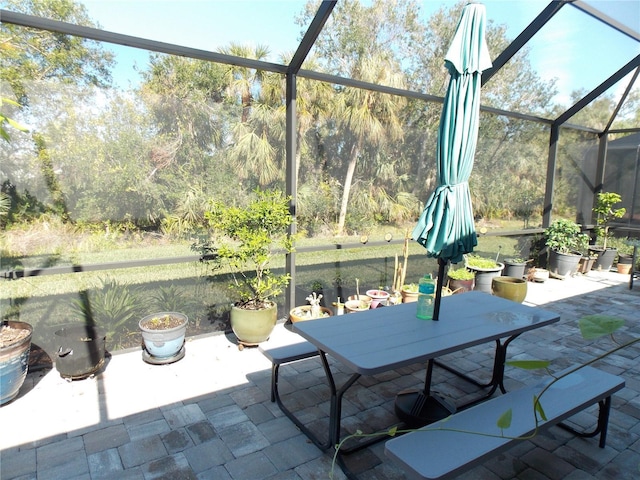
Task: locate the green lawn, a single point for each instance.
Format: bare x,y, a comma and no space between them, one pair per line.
47,302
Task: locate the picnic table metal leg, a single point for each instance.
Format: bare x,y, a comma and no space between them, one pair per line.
335,411
497,376
275,395
604,409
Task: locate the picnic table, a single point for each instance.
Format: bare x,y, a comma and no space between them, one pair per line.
387,338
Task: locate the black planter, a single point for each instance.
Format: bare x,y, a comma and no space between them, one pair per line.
81,351
605,258
625,258
513,269
562,265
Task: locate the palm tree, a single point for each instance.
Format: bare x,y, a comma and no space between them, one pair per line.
244,81
370,118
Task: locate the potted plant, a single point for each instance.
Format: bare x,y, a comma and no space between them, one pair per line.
312,311
514,267
163,336
606,214
625,254
485,270
511,288
246,239
564,239
15,344
409,292
586,262
461,280
103,311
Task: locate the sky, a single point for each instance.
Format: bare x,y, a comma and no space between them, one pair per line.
575,49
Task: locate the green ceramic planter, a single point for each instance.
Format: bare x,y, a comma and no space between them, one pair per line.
511,288
253,326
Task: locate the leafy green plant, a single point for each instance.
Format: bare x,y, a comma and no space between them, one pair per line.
516,260
5,120
480,262
606,214
247,238
169,299
460,274
410,287
564,236
111,305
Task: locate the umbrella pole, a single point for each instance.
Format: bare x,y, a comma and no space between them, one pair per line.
436,306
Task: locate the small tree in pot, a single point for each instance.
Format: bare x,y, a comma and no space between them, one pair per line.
564,239
606,215
246,239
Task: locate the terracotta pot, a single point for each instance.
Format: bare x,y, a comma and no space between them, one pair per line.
461,286
624,268
586,264
362,298
409,296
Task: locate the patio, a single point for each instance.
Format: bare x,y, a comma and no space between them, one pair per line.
209,416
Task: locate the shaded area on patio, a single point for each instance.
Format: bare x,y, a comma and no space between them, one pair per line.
192,419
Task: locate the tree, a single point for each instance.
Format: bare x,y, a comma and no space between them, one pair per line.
32,55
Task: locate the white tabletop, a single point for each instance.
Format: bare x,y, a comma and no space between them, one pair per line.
385,338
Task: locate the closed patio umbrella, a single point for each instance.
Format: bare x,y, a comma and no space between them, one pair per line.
445,227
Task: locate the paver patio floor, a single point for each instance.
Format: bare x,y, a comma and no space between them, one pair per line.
209,415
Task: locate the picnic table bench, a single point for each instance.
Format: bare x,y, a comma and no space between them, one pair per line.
470,437
286,354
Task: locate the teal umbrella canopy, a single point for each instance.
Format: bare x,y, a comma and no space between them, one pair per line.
445,227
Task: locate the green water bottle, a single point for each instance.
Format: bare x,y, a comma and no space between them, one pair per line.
426,297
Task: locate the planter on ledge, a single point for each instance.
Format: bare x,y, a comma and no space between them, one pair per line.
378,297
302,313
511,288
605,258
409,293
563,265
484,276
15,344
163,336
81,351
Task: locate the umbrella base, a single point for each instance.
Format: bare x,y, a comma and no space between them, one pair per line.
417,409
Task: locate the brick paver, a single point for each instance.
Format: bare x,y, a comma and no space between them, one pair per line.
227,428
